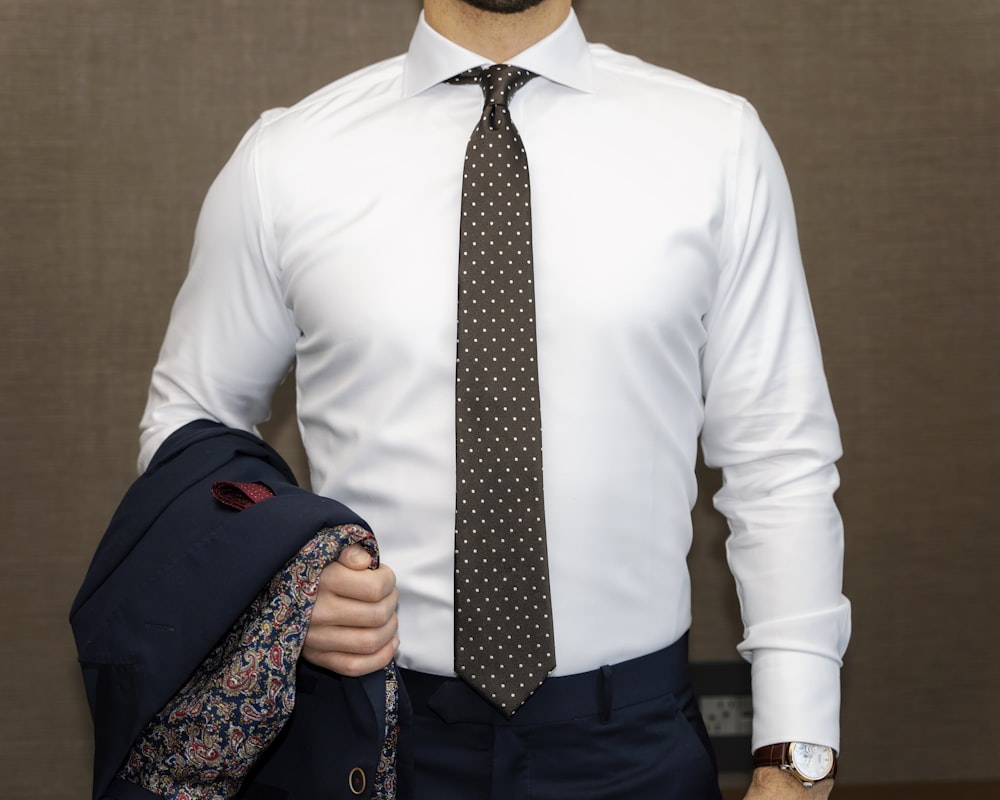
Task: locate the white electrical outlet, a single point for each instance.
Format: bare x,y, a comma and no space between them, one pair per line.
727,715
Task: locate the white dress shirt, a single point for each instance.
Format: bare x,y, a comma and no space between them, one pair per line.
671,302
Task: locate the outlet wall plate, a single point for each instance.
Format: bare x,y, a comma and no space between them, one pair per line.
727,714
723,692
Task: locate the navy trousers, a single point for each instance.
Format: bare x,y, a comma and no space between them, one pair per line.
631,730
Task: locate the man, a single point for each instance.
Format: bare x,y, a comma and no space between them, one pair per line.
670,302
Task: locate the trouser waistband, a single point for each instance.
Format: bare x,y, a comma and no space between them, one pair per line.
597,692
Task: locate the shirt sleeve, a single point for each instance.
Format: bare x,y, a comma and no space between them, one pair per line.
231,338
770,427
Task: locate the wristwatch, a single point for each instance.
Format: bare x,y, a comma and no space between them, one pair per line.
810,763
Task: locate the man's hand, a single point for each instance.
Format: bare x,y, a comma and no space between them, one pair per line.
773,783
353,627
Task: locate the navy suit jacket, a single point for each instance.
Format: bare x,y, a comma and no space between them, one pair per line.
174,571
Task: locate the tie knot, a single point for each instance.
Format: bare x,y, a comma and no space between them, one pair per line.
499,82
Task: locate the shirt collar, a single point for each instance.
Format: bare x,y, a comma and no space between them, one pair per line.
562,57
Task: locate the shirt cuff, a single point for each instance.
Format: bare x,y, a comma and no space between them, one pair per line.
796,698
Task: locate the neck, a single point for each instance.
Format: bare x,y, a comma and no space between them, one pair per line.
492,35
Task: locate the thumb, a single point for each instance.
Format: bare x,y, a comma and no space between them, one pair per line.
355,557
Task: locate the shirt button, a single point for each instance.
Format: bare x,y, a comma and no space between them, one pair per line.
357,781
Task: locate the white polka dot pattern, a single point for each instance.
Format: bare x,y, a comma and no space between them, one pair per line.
503,619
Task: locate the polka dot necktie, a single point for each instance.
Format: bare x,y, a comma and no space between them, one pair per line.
503,618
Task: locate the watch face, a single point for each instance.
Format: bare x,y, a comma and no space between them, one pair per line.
812,761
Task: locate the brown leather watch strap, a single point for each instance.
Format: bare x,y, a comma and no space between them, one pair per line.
772,755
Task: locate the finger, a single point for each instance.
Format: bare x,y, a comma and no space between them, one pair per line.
355,557
351,664
334,610
356,641
369,585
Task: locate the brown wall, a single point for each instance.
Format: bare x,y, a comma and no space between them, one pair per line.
116,114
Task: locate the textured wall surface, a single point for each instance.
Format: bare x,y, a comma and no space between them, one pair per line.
115,116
